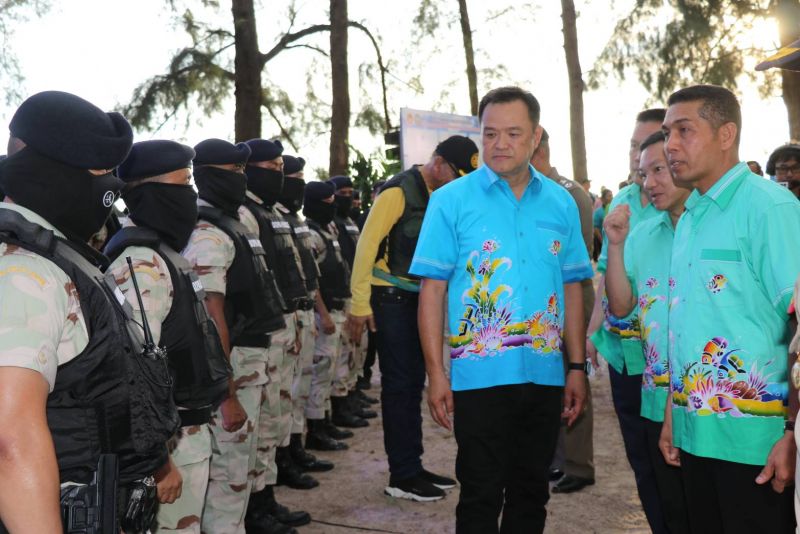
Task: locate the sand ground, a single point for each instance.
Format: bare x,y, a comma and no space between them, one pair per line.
350,498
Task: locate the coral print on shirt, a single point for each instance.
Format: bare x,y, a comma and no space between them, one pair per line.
721,383
486,328
656,370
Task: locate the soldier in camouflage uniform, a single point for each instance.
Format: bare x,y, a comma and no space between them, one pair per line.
221,183
265,181
290,203
55,139
159,195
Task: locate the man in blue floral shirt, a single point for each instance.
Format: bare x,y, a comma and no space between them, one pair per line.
505,243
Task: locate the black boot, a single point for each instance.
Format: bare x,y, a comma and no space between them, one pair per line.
363,383
289,474
358,409
364,398
334,431
281,512
258,521
319,440
305,460
342,416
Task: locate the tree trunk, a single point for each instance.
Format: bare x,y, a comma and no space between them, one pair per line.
788,12
340,109
576,88
247,118
472,75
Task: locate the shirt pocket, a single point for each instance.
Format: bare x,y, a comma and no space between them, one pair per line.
720,276
550,241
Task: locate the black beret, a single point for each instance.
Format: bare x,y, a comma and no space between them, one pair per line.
341,181
292,165
219,152
263,150
71,130
151,158
318,191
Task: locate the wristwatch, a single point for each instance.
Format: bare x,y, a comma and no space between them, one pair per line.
576,367
788,425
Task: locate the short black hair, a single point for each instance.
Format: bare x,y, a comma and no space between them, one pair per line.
652,139
651,115
719,105
782,153
503,95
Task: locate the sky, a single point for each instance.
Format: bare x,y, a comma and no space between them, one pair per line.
102,49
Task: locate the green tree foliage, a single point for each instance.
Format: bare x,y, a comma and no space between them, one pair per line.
12,13
674,43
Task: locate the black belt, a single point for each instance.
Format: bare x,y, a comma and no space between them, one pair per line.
200,416
394,291
305,304
337,304
252,340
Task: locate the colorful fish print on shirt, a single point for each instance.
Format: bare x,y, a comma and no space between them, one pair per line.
555,247
656,370
717,283
721,384
486,328
624,327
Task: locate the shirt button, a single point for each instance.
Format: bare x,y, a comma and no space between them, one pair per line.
521,234
523,261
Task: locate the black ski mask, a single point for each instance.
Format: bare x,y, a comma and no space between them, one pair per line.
343,205
73,200
320,212
169,209
222,188
292,193
265,183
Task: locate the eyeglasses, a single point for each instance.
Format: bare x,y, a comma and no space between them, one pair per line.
785,170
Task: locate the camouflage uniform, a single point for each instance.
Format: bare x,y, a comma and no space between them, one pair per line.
191,448
41,324
327,349
345,362
301,387
276,406
211,252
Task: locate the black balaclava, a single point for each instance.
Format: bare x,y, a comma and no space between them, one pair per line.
73,200
169,209
343,205
292,193
222,188
265,183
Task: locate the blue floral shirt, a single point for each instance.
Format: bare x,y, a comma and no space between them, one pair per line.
506,262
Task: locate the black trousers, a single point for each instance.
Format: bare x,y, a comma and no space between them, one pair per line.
626,392
506,437
669,482
723,498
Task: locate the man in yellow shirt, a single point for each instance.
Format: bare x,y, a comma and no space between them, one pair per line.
385,298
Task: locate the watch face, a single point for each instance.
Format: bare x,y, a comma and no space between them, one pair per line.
796,373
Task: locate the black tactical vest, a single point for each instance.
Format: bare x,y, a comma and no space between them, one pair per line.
276,237
302,240
199,368
253,304
402,239
111,398
334,281
348,238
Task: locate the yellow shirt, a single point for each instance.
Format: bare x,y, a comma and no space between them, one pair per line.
385,213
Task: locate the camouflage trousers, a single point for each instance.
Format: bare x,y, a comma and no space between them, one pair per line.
301,385
276,406
359,352
326,351
191,456
233,454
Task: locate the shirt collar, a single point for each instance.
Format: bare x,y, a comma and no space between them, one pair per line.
31,216
721,193
489,178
